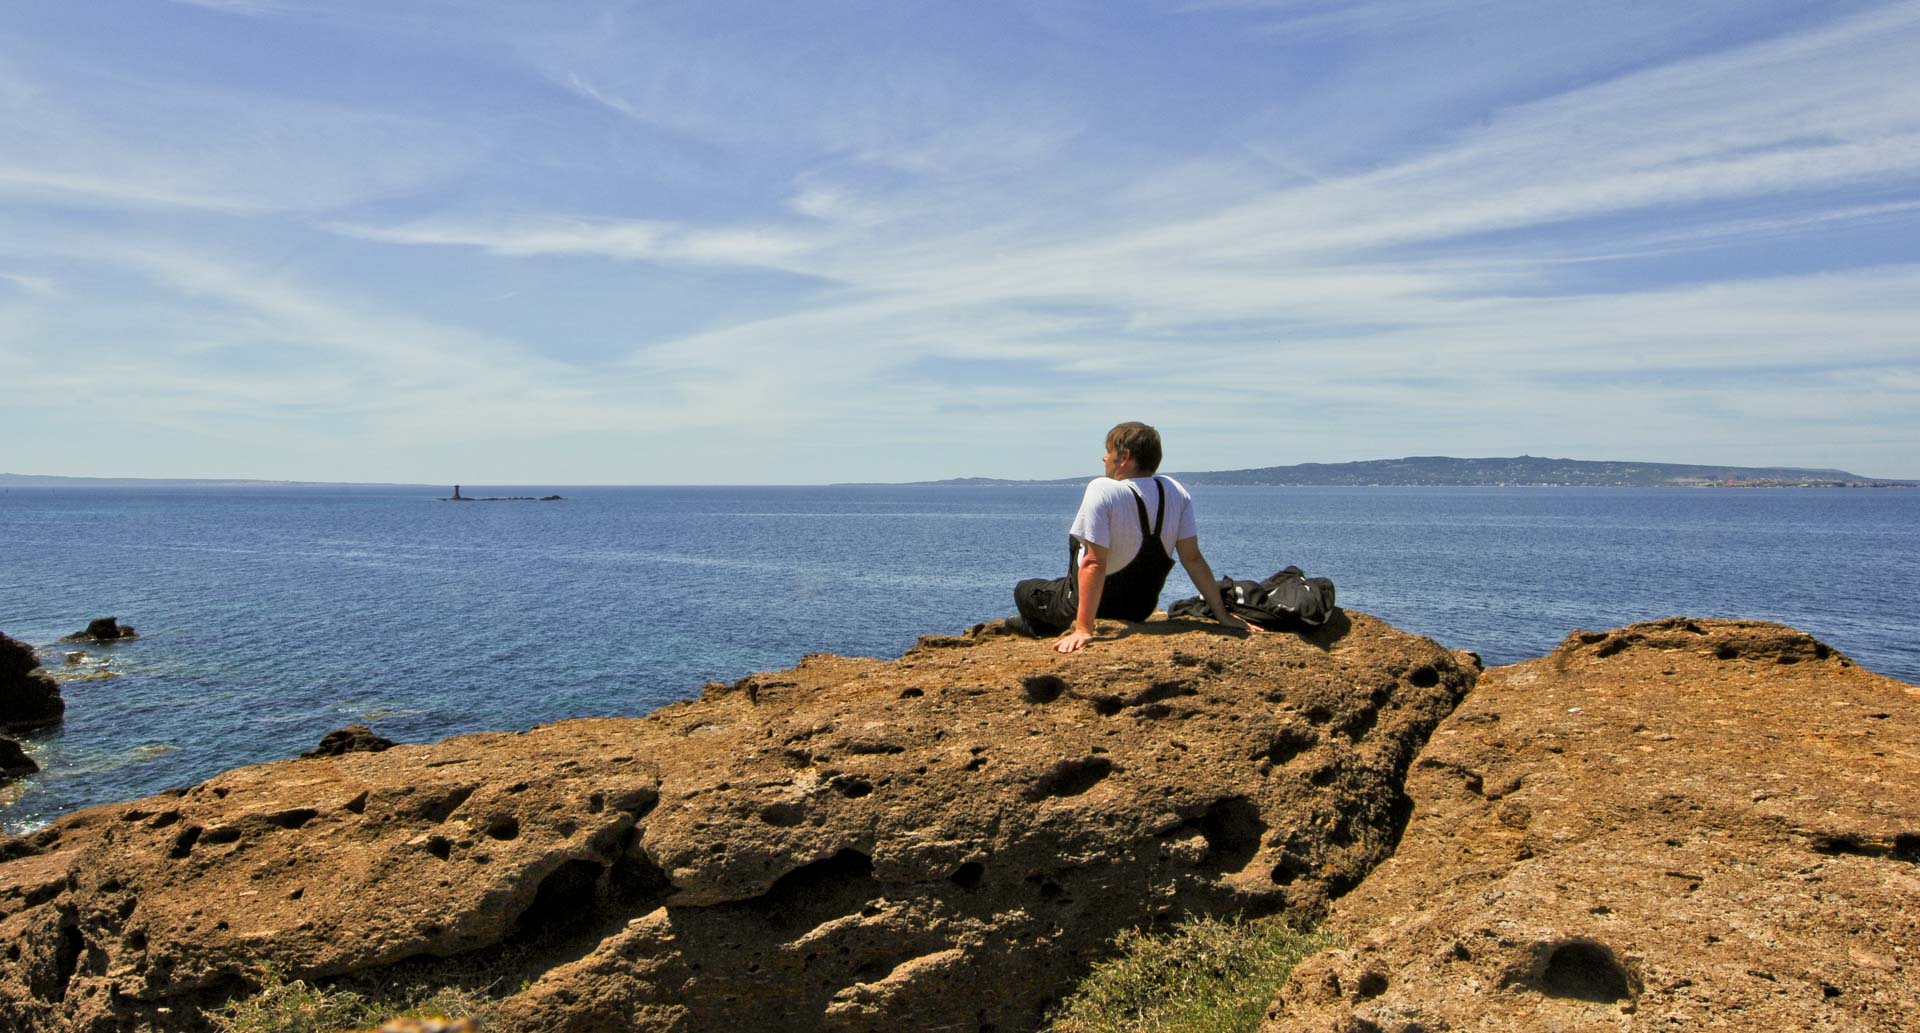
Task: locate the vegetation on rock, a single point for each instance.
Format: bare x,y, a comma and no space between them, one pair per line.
1210,975
296,1006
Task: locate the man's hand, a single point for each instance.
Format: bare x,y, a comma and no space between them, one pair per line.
1236,624
1072,641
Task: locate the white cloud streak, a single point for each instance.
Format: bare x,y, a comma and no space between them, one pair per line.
627,240
251,8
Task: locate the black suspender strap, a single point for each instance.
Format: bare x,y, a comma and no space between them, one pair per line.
1159,515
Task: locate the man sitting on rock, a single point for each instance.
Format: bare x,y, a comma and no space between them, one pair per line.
1119,559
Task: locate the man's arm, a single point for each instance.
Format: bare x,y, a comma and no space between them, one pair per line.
1092,579
1202,575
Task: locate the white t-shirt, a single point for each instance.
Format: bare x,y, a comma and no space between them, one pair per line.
1109,518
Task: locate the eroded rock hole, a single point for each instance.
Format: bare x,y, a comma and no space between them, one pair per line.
1070,777
66,959
637,802
968,875
1049,889
634,877
565,897
220,834
358,805
504,826
783,815
293,819
1585,971
1361,722
814,884
1424,678
1289,743
1043,688
1612,647
440,809
853,788
183,842
1726,653
1232,828
1106,706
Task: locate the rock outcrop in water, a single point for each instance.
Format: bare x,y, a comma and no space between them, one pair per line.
1676,825
944,841
103,629
351,739
29,697
14,762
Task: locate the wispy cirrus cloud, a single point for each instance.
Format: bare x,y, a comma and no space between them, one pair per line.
1346,17
625,240
247,7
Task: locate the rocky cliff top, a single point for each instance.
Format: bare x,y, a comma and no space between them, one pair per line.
1674,825
1683,824
938,842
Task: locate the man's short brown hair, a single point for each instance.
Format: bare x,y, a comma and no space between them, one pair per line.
1139,441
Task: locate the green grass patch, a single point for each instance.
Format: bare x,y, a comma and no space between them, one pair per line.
295,1006
1209,975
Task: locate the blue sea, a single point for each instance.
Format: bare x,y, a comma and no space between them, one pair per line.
269,616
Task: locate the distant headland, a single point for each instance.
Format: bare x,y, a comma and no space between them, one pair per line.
1521,471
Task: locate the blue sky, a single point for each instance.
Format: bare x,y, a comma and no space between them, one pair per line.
599,242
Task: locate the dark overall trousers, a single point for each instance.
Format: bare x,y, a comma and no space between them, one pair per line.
1129,594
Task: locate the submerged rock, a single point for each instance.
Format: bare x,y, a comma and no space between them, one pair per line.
29,697
945,841
103,629
1683,824
351,739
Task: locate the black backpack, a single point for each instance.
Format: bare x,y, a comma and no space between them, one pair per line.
1288,599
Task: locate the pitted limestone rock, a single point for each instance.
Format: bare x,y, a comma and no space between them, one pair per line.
941,841
1681,824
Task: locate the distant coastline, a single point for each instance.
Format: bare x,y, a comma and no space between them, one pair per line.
1522,471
